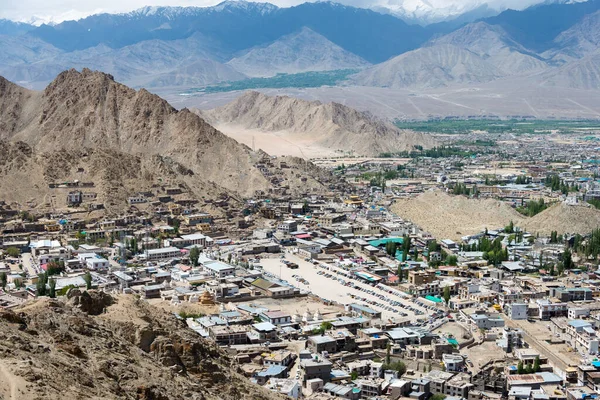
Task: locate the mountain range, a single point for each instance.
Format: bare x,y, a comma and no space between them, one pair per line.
125,141
554,44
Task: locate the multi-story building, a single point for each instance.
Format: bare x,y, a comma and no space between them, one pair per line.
548,310
316,368
486,321
582,336
571,294
516,311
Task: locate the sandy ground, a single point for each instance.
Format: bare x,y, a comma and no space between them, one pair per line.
479,355
559,353
454,329
277,143
516,97
330,289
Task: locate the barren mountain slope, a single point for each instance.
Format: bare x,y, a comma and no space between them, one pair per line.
453,217
493,44
94,346
564,219
581,74
579,40
198,73
429,67
299,52
331,125
83,113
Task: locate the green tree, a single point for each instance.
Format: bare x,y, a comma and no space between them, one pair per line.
452,260
194,255
3,279
528,369
388,350
397,366
87,277
325,326
354,375
52,285
438,396
520,369
41,284
447,294
55,268
13,252
536,364
567,260
405,247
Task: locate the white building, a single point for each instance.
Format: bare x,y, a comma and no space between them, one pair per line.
516,311
575,313
162,254
219,269
582,336
93,261
453,362
288,226
288,387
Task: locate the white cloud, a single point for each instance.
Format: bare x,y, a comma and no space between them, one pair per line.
60,10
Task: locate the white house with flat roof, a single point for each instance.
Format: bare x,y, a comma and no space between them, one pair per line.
219,269
162,254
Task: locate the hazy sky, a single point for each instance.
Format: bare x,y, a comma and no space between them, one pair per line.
59,10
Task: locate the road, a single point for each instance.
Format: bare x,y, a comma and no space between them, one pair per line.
29,265
539,344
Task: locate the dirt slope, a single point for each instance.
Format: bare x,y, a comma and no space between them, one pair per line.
452,217
332,125
564,219
87,348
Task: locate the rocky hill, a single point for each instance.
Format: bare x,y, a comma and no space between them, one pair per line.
85,121
564,218
330,125
303,51
453,217
95,346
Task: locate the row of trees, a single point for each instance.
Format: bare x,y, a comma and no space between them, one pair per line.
529,369
46,286
523,180
533,207
462,189
557,185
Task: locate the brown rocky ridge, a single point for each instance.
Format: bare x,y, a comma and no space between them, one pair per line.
86,126
94,346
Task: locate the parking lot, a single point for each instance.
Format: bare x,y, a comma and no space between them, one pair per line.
335,284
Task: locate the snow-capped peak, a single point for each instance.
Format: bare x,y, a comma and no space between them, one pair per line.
263,8
430,11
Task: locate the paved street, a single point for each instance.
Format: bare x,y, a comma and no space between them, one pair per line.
29,264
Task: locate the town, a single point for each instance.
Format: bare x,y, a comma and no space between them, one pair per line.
341,294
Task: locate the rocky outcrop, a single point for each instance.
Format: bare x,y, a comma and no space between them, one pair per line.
96,346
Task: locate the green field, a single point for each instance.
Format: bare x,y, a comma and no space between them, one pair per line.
301,80
517,127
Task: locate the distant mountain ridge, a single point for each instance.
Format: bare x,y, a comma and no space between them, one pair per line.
198,46
301,51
